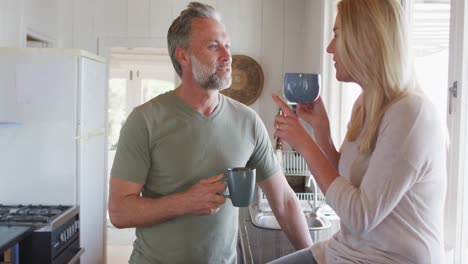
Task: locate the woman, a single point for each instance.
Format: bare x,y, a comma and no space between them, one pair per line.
387,183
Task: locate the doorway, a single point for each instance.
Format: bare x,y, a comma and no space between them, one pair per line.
136,75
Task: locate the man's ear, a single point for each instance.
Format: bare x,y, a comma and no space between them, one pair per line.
182,56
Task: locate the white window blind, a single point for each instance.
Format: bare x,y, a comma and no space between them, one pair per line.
430,26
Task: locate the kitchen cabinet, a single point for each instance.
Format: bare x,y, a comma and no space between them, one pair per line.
10,236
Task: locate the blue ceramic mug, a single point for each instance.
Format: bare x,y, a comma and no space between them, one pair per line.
301,87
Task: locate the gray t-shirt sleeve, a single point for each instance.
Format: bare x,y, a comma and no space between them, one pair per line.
263,157
132,159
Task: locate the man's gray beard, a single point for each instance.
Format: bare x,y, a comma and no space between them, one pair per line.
205,77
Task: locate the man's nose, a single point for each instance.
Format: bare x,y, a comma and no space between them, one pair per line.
225,54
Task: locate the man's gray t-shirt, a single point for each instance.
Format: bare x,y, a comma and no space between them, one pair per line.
168,146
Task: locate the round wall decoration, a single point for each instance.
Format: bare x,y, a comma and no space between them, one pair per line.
247,80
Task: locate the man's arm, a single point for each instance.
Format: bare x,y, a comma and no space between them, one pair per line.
127,208
287,210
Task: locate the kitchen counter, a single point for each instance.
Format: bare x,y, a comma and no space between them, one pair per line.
261,245
11,235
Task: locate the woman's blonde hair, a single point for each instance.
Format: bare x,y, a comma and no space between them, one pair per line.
373,47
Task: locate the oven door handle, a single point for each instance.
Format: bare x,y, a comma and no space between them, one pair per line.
77,256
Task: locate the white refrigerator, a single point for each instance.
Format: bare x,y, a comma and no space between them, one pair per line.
52,135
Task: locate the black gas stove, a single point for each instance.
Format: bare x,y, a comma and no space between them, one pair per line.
56,232
36,215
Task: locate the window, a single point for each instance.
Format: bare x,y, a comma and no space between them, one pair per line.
116,113
430,26
135,77
154,87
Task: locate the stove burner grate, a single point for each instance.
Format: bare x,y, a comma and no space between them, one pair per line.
30,214
26,219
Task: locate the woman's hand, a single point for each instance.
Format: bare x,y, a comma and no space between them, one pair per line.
288,127
315,115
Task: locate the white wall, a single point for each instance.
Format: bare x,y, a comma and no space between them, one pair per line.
10,14
35,17
281,35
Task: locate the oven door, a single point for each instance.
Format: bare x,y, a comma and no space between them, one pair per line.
76,258
69,255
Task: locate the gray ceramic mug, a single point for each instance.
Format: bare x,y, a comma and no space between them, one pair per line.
240,185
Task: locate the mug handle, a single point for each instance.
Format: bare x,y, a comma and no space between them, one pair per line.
225,193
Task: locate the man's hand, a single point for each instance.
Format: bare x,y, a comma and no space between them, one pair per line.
203,198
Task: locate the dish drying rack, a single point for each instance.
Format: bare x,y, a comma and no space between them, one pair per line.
294,164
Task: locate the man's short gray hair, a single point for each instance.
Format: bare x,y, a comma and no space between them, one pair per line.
179,33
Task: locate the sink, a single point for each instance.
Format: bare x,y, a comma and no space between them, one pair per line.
267,220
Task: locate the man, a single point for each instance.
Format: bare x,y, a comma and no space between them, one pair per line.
170,147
